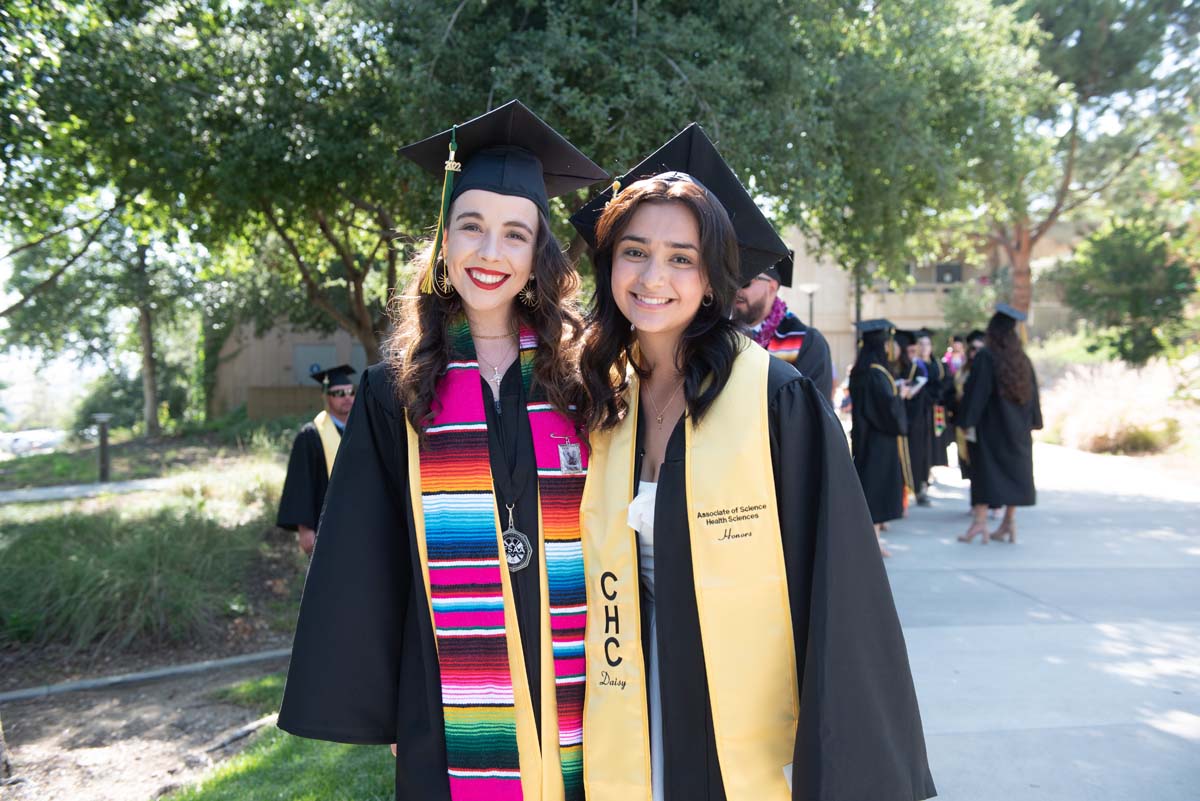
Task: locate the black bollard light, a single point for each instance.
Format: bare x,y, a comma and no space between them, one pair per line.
102,421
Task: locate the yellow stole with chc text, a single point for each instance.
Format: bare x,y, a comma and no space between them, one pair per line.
741,596
330,439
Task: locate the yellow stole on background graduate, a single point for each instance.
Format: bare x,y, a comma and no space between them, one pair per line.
330,439
741,596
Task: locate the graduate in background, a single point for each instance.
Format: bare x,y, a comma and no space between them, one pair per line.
771,324
742,640
941,390
974,343
879,426
443,610
313,454
1000,401
919,400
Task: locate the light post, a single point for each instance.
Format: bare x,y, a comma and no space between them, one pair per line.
102,421
810,290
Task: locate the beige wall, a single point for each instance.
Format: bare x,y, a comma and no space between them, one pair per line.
262,371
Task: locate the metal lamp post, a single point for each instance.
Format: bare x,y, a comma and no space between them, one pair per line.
810,290
102,421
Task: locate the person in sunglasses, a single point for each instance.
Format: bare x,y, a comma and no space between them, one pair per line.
313,452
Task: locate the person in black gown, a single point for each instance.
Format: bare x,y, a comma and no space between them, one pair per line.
661,362
941,395
879,426
368,662
776,327
303,494
1000,402
918,404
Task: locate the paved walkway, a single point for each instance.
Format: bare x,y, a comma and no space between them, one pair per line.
1066,667
65,492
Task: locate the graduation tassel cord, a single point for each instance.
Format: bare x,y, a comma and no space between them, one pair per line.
452,166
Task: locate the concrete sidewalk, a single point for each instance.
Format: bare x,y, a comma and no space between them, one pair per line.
1068,666
66,492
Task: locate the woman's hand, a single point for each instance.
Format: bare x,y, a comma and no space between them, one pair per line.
394,750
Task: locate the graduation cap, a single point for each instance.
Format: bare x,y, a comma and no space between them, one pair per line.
925,332
783,267
334,376
976,334
904,337
870,326
1009,311
508,150
691,156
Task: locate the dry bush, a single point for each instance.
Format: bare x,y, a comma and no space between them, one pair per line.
1114,408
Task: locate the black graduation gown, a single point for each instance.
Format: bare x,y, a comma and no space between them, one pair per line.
306,482
814,359
859,734
364,666
1002,454
919,409
878,417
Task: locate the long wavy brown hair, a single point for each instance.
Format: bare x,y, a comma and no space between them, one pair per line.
1014,371
419,348
709,343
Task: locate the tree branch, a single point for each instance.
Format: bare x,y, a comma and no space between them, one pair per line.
699,96
50,280
338,244
107,213
311,287
1086,193
446,34
1064,187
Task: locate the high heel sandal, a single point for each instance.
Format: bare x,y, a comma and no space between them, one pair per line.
976,529
1007,532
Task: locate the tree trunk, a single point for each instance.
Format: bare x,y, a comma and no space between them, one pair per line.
5,765
149,371
1022,273
149,365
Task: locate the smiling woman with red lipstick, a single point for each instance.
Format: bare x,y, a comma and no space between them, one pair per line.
444,608
742,642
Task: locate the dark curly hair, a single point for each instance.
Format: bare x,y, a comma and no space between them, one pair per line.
710,341
1014,371
419,347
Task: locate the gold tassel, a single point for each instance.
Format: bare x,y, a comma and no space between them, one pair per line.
452,166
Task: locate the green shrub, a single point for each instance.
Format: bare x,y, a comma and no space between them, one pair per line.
166,574
1136,438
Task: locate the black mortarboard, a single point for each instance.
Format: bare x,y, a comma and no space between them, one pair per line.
334,376
904,338
783,267
924,332
1009,311
692,155
510,151
878,324
976,334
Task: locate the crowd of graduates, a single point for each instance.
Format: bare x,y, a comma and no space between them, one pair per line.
908,407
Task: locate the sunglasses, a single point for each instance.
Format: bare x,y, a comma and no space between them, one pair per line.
341,393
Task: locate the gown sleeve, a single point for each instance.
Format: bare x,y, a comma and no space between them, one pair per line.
884,409
342,683
859,734
300,500
1037,406
977,391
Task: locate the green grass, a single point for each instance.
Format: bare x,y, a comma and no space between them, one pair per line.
280,766
263,695
1053,355
151,568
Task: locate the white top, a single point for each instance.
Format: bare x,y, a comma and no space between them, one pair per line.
641,520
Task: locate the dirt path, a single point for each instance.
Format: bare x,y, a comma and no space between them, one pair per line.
122,744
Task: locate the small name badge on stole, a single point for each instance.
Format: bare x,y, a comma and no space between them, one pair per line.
570,458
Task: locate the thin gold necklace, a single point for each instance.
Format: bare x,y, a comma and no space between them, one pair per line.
658,413
512,333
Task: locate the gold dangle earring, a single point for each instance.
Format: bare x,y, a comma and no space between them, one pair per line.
440,280
528,295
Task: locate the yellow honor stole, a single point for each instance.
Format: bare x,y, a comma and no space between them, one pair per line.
741,596
330,439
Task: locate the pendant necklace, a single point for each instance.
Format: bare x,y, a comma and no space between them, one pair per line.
658,413
496,376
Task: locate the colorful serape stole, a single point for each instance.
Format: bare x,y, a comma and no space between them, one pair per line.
466,587
786,345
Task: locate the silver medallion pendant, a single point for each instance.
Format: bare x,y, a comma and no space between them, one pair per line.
569,458
518,551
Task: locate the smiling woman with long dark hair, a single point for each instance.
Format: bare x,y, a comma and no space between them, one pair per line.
442,609
742,641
